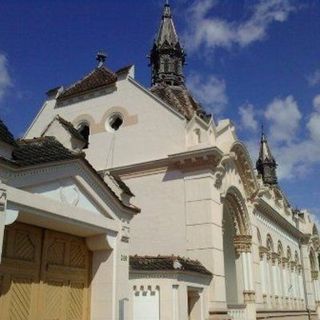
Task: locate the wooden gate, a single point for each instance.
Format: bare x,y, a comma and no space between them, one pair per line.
44,275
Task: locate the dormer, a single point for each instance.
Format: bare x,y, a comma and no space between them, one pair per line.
199,133
67,134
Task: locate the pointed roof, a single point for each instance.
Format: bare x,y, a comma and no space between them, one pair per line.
265,152
98,78
167,31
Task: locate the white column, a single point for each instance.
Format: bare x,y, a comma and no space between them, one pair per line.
249,269
245,271
284,281
175,302
294,286
274,279
280,279
318,287
292,283
269,285
262,268
298,284
301,285
314,290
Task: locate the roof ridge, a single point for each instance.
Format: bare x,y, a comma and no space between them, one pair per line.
104,76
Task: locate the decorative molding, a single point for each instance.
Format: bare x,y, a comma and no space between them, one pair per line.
242,243
270,225
249,296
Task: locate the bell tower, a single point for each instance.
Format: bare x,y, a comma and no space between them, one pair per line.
266,164
167,56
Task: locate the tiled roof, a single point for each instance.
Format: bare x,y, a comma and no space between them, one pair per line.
98,78
41,150
5,135
180,99
122,185
166,263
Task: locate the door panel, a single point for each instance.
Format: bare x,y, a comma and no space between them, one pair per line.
44,275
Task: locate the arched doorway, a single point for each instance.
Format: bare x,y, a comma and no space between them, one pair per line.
236,248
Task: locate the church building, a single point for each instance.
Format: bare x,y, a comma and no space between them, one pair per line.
133,203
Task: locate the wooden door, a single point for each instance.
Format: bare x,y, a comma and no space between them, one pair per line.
64,273
44,275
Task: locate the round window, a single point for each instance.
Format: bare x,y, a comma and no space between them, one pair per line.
114,122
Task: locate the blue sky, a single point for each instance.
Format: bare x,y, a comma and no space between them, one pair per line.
251,61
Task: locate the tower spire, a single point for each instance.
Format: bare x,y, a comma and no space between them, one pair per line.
266,164
167,57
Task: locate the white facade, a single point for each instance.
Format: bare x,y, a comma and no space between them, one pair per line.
200,198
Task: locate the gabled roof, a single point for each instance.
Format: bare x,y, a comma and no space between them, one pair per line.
180,99
167,263
45,150
98,78
5,135
41,150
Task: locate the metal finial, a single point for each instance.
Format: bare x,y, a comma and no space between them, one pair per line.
101,58
262,130
167,2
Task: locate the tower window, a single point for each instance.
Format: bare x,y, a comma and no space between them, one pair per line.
166,66
84,130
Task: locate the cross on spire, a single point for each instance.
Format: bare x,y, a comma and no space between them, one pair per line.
101,58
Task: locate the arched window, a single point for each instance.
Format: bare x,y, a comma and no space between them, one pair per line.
166,65
259,237
84,130
288,253
280,249
114,122
296,257
197,134
269,243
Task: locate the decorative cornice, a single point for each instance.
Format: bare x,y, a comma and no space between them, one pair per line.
266,209
209,157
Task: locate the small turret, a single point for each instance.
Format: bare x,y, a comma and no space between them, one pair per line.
266,164
167,57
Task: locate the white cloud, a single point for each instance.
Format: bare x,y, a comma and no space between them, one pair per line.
247,117
5,81
314,78
316,103
209,91
211,32
284,116
313,124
